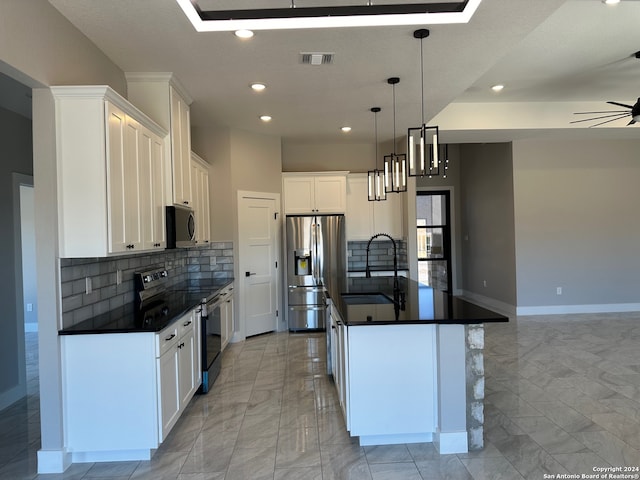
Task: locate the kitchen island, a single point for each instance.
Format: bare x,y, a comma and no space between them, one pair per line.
407,361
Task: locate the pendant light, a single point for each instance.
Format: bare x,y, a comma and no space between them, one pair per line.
423,142
395,165
375,177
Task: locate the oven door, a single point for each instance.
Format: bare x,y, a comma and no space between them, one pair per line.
212,342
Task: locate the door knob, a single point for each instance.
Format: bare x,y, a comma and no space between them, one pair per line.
248,274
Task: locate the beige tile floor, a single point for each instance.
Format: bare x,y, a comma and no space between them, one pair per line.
562,397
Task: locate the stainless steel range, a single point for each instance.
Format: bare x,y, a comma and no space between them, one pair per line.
155,299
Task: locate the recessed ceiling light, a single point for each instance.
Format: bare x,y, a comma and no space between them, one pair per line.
243,33
610,2
265,118
346,129
497,88
258,87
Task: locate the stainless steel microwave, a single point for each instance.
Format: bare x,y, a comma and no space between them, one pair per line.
181,227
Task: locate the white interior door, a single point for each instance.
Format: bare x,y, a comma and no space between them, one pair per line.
258,234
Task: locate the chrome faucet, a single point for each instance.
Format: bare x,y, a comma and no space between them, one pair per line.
395,258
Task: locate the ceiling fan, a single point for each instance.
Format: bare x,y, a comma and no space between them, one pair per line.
607,116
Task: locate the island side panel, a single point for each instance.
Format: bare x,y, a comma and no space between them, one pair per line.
110,396
452,390
475,386
392,372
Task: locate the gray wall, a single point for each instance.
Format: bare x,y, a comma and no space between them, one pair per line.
39,47
577,222
15,156
487,218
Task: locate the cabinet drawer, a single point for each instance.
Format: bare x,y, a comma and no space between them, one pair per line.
186,324
166,339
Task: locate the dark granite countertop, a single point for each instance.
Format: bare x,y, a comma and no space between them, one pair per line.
156,315
412,303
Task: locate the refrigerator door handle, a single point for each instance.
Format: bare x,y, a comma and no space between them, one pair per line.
320,252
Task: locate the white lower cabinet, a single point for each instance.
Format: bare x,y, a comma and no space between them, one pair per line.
226,316
123,392
385,377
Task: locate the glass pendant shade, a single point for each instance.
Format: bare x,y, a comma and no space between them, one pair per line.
424,151
395,165
395,173
375,186
375,177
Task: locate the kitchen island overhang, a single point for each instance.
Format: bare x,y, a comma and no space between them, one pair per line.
409,369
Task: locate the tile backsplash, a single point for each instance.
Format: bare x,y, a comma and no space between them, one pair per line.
212,261
380,255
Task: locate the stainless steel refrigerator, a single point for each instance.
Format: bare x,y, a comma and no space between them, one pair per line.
316,253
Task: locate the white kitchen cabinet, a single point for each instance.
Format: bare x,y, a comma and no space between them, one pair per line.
163,98
226,316
101,159
314,192
145,382
152,190
168,372
364,218
200,193
181,148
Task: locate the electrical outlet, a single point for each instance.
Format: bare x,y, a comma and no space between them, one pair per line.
118,277
29,307
88,286
558,290
484,283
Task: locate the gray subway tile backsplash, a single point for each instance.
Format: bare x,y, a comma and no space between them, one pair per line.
380,254
213,261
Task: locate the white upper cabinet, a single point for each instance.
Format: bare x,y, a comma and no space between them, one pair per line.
364,218
104,206
181,149
306,193
162,97
200,193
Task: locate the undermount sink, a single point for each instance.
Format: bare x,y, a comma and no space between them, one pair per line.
365,298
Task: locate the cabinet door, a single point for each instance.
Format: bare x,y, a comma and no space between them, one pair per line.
187,367
124,201
227,320
168,373
330,194
158,201
146,188
196,193
359,217
180,149
299,195
205,208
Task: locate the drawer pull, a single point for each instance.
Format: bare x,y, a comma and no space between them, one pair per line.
170,338
186,324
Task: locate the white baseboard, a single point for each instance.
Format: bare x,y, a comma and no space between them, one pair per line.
366,440
53,461
569,309
451,442
511,310
491,303
111,456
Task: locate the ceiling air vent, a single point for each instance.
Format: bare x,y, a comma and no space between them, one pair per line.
316,58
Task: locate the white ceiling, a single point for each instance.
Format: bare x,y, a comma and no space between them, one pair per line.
554,56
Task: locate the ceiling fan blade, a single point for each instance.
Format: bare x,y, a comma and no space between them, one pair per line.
604,111
613,117
620,104
606,121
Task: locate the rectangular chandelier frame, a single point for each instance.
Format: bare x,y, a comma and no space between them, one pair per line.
206,19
